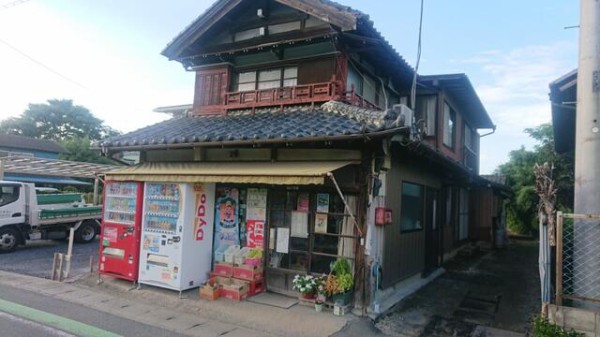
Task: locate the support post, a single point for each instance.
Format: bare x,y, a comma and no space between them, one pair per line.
69,252
95,200
559,258
587,149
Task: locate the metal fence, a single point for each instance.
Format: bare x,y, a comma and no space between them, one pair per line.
577,258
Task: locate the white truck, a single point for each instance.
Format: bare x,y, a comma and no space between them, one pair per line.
26,215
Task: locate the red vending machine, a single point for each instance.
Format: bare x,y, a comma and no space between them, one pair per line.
121,228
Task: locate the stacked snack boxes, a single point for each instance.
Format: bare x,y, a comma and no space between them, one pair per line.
240,275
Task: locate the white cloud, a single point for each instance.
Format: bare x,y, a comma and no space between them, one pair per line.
513,86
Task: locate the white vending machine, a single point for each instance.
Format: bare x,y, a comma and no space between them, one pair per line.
177,235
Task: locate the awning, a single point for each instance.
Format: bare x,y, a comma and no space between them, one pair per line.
272,173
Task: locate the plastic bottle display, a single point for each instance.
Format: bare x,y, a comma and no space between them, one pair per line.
162,207
120,203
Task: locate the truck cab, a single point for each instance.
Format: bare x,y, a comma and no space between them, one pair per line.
23,217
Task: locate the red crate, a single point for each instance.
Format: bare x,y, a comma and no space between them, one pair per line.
237,290
223,269
248,273
256,287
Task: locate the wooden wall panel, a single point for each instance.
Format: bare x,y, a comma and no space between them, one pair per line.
404,253
316,71
211,86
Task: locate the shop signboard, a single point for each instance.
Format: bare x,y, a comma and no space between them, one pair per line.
256,216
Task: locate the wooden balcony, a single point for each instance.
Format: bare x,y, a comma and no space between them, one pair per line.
301,94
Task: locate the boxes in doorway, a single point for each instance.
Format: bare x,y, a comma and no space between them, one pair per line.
217,280
248,273
236,290
231,252
223,269
210,292
256,287
254,261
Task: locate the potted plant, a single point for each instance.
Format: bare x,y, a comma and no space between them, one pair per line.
319,303
306,285
340,283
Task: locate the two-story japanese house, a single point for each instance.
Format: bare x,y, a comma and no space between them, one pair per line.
305,99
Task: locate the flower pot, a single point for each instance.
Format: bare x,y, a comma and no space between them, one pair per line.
318,307
309,296
342,299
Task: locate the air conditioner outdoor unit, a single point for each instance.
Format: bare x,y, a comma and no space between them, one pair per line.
405,115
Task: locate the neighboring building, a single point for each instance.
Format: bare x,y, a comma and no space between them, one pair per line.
26,146
36,161
302,97
563,98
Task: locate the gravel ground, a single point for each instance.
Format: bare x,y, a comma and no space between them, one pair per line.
35,258
499,289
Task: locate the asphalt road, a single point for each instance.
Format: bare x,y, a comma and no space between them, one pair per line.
23,313
35,257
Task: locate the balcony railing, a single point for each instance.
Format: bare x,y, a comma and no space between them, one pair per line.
316,92
300,94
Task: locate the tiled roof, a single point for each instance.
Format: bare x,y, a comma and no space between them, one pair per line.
28,143
331,120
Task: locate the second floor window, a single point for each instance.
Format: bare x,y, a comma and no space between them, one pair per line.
425,110
266,79
412,206
469,138
449,125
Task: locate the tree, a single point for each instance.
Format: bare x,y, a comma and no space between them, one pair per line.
522,209
57,120
80,150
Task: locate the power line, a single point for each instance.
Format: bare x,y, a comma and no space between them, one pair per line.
17,50
413,91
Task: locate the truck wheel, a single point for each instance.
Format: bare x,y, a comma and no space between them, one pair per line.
9,239
86,232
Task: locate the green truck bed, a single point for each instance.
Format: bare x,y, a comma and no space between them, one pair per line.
63,198
71,212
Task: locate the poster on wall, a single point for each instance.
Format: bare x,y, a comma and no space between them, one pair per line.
322,202
283,240
320,223
256,212
226,218
303,202
256,233
299,224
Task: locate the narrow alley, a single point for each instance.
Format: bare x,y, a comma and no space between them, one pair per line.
486,294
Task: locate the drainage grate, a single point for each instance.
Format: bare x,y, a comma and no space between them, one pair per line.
478,306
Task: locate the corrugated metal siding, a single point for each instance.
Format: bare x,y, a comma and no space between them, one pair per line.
404,253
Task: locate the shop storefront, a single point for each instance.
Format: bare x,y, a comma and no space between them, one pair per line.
299,217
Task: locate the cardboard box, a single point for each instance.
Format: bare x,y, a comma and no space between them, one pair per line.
249,273
218,280
254,261
237,290
210,292
256,287
223,269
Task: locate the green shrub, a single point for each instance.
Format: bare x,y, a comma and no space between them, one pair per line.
543,328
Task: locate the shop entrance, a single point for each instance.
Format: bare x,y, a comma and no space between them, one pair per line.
307,231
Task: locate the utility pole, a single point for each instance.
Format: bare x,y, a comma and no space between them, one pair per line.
587,153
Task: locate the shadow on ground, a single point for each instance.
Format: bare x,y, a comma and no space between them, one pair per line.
498,289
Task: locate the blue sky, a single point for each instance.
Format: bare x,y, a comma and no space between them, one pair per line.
105,55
